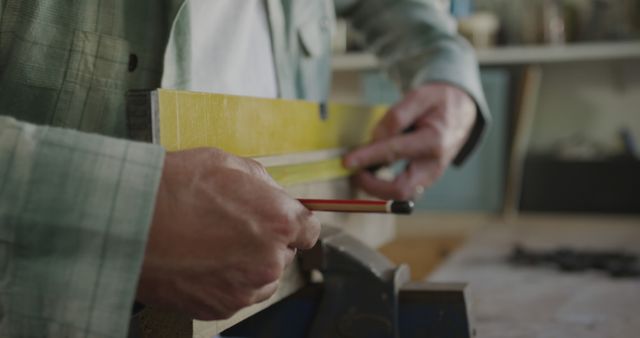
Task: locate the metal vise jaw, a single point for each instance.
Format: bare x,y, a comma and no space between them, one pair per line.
355,292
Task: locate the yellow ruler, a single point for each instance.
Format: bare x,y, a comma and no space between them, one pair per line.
280,132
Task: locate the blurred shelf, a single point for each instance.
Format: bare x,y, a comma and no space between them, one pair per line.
354,62
554,54
518,55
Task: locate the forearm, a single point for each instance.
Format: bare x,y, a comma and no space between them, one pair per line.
75,209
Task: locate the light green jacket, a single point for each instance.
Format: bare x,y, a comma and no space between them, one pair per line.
76,203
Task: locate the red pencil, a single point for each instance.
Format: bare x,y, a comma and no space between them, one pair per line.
385,207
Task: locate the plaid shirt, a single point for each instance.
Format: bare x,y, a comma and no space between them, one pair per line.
75,207
74,214
76,203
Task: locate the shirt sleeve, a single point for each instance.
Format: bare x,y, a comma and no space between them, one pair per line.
75,210
418,44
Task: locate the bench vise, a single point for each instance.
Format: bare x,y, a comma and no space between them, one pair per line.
356,292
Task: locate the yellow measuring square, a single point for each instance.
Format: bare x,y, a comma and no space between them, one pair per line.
256,127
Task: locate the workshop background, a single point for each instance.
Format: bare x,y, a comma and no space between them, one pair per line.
544,220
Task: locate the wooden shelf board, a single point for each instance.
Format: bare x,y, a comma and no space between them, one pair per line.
515,55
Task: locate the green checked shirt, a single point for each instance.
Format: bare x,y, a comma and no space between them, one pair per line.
76,199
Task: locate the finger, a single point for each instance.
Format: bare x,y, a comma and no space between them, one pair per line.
421,173
258,170
402,115
421,143
265,292
289,255
376,187
309,230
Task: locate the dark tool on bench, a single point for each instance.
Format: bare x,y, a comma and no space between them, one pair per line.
355,292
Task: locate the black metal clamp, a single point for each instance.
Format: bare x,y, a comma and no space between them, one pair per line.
356,292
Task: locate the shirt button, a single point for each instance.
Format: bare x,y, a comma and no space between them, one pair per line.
133,62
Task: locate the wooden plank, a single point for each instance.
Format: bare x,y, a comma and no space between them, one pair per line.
259,128
545,54
282,134
251,127
290,283
515,55
423,254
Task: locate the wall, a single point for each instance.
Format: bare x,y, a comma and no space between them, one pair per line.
589,100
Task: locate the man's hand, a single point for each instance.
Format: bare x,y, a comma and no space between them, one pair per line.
222,233
439,117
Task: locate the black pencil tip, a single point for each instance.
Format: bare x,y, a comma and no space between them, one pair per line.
402,207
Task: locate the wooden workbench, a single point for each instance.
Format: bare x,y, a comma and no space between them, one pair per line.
524,302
